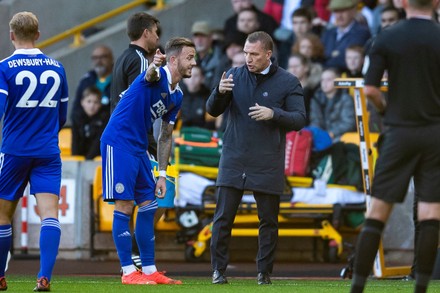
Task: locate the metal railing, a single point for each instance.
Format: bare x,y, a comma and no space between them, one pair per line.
76,32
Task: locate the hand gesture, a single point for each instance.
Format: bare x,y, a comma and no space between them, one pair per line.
259,113
158,58
226,84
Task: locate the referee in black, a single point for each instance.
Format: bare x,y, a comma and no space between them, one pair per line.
409,52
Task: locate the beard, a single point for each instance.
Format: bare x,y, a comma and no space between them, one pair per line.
183,71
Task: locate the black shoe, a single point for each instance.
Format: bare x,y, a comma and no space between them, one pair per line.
218,277
263,279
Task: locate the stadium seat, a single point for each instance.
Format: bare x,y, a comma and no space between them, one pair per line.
103,211
353,137
65,141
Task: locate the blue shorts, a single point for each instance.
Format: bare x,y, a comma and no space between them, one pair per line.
43,174
126,176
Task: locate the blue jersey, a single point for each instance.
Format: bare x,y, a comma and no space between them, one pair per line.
141,104
33,98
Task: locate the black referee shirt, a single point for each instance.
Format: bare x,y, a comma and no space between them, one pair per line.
128,66
410,52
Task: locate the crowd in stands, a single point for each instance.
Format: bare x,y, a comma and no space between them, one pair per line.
317,41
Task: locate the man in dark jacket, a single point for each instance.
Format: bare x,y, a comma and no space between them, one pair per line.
100,76
346,32
264,103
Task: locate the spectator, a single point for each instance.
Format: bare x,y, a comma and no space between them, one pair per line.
208,56
301,20
247,21
311,47
377,11
100,76
281,11
322,13
367,11
332,109
87,125
267,23
232,45
193,111
299,66
239,59
389,16
347,32
354,61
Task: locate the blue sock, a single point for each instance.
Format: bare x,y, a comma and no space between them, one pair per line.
122,237
5,246
50,235
145,232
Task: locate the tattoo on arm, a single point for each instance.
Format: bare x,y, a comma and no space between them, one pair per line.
164,144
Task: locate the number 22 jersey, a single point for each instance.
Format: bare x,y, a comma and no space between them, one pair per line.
33,98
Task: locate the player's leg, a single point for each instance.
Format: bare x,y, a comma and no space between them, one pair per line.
395,166
119,176
13,180
144,229
45,181
50,235
7,209
368,242
122,235
426,249
145,238
427,186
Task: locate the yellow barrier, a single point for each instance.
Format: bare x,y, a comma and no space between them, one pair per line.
76,32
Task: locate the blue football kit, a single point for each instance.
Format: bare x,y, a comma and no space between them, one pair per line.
33,99
127,169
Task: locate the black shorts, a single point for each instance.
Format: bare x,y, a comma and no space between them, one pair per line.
406,152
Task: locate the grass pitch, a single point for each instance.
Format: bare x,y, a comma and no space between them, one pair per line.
108,284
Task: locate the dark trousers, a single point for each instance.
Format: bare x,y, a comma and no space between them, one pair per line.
228,200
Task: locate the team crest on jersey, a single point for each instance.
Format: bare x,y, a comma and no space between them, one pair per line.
164,95
119,188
